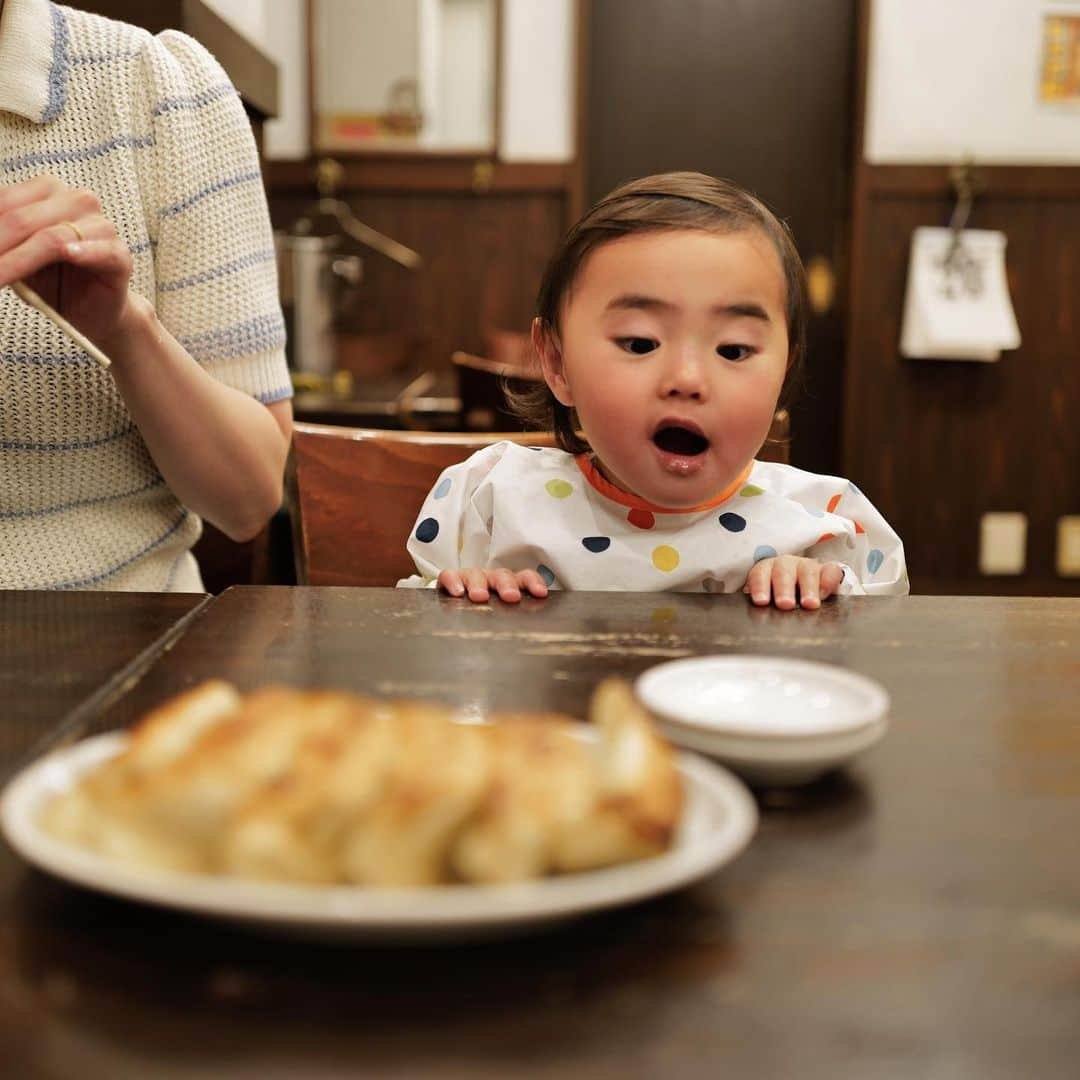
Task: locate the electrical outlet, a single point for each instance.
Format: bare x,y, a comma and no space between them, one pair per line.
1068,546
1002,544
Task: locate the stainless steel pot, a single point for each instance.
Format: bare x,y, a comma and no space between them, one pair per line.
315,280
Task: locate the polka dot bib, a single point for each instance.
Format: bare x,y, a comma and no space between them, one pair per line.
542,509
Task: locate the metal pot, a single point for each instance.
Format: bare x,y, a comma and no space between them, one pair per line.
315,280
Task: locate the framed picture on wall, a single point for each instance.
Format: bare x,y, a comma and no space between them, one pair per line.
1059,71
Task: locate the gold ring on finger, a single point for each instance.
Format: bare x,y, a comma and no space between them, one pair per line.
75,229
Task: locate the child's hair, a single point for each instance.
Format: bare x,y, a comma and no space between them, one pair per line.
669,201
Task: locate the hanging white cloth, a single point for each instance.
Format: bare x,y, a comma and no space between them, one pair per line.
957,305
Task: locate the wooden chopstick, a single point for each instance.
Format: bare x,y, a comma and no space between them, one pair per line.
31,297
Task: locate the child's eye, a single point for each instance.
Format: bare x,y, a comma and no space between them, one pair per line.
734,352
639,346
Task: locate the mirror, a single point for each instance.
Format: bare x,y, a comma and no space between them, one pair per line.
404,75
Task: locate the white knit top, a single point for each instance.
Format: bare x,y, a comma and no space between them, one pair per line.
153,126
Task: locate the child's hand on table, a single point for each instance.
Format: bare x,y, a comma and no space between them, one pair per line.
776,579
479,584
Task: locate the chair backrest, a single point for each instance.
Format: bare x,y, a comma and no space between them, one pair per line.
481,386
354,494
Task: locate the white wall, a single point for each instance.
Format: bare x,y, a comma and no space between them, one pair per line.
961,77
250,17
279,28
537,81
286,41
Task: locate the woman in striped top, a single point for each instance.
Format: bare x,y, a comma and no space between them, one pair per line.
131,199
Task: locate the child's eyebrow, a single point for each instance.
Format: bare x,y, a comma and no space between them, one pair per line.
635,302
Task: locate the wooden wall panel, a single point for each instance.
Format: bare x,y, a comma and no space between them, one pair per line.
483,257
937,444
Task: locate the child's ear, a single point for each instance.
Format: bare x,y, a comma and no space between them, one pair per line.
549,351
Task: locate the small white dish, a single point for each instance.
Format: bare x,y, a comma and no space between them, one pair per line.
719,818
773,720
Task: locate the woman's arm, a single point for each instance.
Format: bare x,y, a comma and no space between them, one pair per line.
220,451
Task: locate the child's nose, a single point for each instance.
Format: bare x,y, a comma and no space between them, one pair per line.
685,377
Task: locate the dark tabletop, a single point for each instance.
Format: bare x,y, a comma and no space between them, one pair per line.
67,654
915,916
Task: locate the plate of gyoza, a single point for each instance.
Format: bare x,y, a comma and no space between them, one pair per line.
330,815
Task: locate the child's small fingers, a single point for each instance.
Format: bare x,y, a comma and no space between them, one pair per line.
476,584
758,581
809,574
505,584
533,583
450,581
832,575
783,584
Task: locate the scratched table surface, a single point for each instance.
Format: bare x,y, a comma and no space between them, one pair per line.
915,916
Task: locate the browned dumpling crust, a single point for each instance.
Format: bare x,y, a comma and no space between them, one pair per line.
327,787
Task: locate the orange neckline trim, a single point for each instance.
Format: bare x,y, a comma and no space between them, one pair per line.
606,488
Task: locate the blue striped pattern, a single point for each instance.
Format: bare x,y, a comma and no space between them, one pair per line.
172,572
83,583
145,245
259,335
86,444
58,76
271,396
211,189
55,157
245,262
195,101
80,503
105,58
47,359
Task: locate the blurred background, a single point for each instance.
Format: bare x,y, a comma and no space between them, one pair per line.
423,157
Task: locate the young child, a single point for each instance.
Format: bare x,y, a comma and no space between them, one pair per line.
668,324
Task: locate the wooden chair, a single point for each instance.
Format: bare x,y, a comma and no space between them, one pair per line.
481,388
354,494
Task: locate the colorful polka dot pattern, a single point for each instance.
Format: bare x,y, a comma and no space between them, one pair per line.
427,530
665,558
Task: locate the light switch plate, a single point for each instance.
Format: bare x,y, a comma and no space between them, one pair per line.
1002,544
1068,546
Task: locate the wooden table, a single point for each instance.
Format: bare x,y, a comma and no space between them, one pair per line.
66,655
917,916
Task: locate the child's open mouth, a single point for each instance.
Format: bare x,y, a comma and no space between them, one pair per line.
682,440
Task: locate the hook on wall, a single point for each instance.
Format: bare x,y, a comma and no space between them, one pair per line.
963,272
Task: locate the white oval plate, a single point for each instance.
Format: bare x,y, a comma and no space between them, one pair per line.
772,720
719,818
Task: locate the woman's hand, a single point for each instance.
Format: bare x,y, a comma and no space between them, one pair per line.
55,238
478,584
778,577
